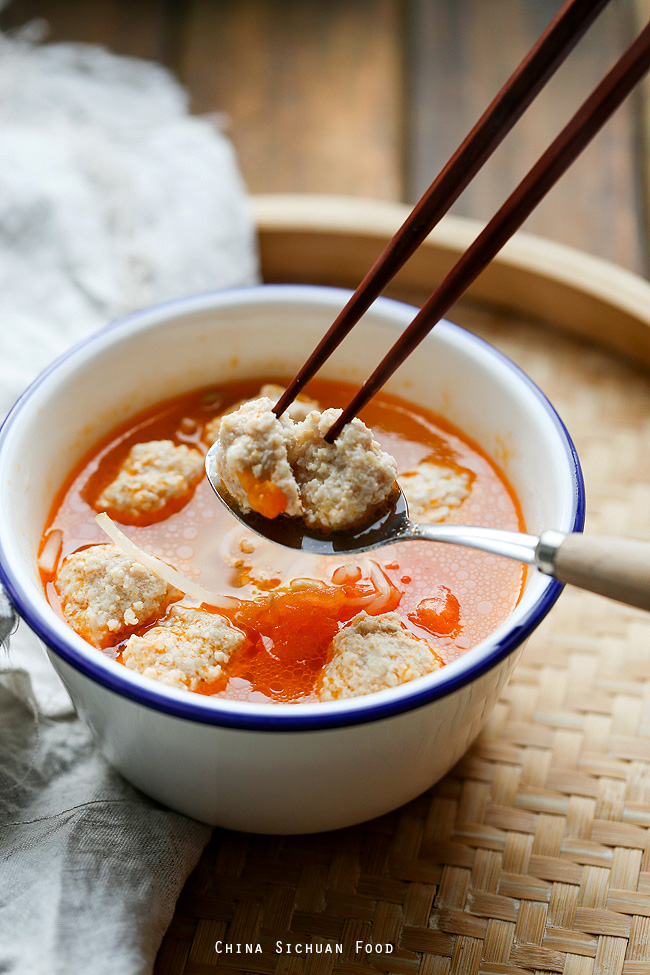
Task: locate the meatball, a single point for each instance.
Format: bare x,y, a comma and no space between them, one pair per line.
373,653
105,594
276,466
252,459
186,649
433,491
298,410
153,475
340,483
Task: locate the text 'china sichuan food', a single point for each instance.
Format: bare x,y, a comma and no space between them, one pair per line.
143,562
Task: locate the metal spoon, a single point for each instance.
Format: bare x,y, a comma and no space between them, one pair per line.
614,567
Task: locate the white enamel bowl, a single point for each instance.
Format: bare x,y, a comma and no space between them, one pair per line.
282,768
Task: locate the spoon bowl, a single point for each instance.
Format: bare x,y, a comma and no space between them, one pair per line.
389,524
618,568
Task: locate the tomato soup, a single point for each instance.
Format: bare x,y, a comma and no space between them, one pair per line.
291,604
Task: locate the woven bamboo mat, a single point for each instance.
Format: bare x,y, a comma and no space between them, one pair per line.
533,854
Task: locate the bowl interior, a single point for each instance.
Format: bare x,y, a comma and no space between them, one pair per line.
167,350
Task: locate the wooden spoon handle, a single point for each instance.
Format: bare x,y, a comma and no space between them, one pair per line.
614,567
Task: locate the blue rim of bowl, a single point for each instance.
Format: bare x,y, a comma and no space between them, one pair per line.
188,709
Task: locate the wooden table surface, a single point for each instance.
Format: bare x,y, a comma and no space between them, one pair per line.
370,97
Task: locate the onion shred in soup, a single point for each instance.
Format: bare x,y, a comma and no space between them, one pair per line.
289,606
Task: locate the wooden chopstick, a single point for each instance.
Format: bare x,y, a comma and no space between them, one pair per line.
541,62
573,138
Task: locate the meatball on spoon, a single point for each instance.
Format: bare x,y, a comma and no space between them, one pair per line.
614,567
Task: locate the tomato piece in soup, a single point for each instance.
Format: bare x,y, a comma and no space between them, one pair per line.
439,614
291,635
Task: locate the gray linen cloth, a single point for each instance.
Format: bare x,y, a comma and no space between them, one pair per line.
111,197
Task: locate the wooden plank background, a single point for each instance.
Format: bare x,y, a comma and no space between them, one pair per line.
370,97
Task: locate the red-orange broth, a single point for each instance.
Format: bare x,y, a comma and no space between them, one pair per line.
451,597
